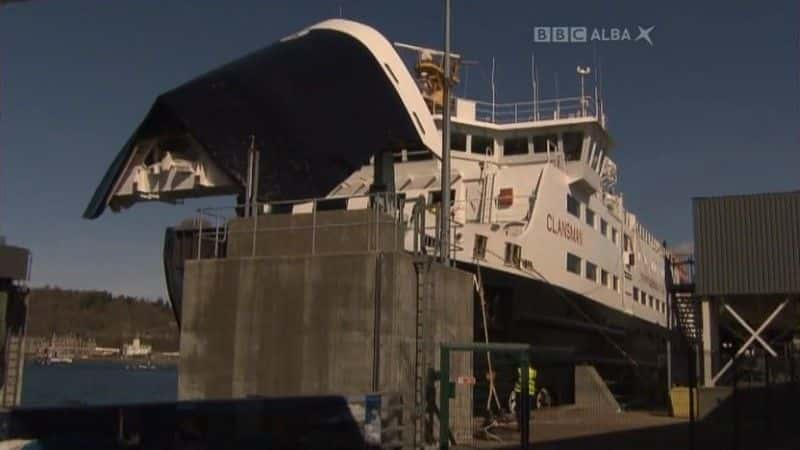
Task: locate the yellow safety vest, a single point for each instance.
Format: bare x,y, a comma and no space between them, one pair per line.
531,381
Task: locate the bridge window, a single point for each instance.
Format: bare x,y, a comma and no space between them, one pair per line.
604,277
436,197
482,145
573,264
603,227
541,143
616,283
573,142
458,141
643,298
635,294
515,146
613,235
573,206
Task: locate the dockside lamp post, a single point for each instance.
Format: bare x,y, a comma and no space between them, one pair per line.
444,216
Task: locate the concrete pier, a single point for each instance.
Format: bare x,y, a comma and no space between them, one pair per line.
328,303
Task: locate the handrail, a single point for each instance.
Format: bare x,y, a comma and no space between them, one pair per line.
382,202
214,225
532,111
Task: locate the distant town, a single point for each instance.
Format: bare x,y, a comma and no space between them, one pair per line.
65,349
65,324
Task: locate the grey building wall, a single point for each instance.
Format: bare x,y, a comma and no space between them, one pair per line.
747,245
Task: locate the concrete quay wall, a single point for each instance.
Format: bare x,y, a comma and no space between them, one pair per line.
309,324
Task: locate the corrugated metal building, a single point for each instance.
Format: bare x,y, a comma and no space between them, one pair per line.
14,263
747,244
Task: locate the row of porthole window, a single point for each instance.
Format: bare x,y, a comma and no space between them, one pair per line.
590,270
642,297
574,208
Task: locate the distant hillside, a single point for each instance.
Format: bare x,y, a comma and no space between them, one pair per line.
109,319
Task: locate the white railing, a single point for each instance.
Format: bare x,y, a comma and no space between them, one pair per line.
421,220
555,109
213,224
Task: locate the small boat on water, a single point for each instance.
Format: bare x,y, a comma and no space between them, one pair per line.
145,365
54,358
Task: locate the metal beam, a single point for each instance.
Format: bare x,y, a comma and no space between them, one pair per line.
750,329
755,335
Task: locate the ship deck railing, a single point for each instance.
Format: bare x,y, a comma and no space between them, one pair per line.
415,217
214,231
540,110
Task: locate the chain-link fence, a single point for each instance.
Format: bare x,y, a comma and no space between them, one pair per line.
484,409
492,416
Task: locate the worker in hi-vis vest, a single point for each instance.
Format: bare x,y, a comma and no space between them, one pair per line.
531,390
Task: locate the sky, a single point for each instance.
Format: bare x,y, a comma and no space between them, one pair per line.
710,108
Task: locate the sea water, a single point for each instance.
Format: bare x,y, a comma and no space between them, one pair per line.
97,383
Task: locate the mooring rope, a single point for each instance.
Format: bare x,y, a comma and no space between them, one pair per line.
492,390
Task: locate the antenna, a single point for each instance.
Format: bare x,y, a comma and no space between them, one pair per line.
558,103
533,86
582,72
601,107
340,11
596,64
538,92
466,82
493,90
465,63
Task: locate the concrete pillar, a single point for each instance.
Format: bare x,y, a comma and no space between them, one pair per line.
710,312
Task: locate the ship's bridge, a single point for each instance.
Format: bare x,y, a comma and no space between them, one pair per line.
569,132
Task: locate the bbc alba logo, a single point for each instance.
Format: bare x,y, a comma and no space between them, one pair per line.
579,35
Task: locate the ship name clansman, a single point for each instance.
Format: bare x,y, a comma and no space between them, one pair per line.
564,229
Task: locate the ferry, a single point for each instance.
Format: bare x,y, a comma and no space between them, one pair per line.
537,215
536,212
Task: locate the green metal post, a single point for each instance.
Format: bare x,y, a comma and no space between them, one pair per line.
444,399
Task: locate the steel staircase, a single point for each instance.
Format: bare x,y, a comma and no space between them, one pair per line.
685,307
687,314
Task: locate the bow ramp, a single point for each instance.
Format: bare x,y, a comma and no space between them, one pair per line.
316,105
